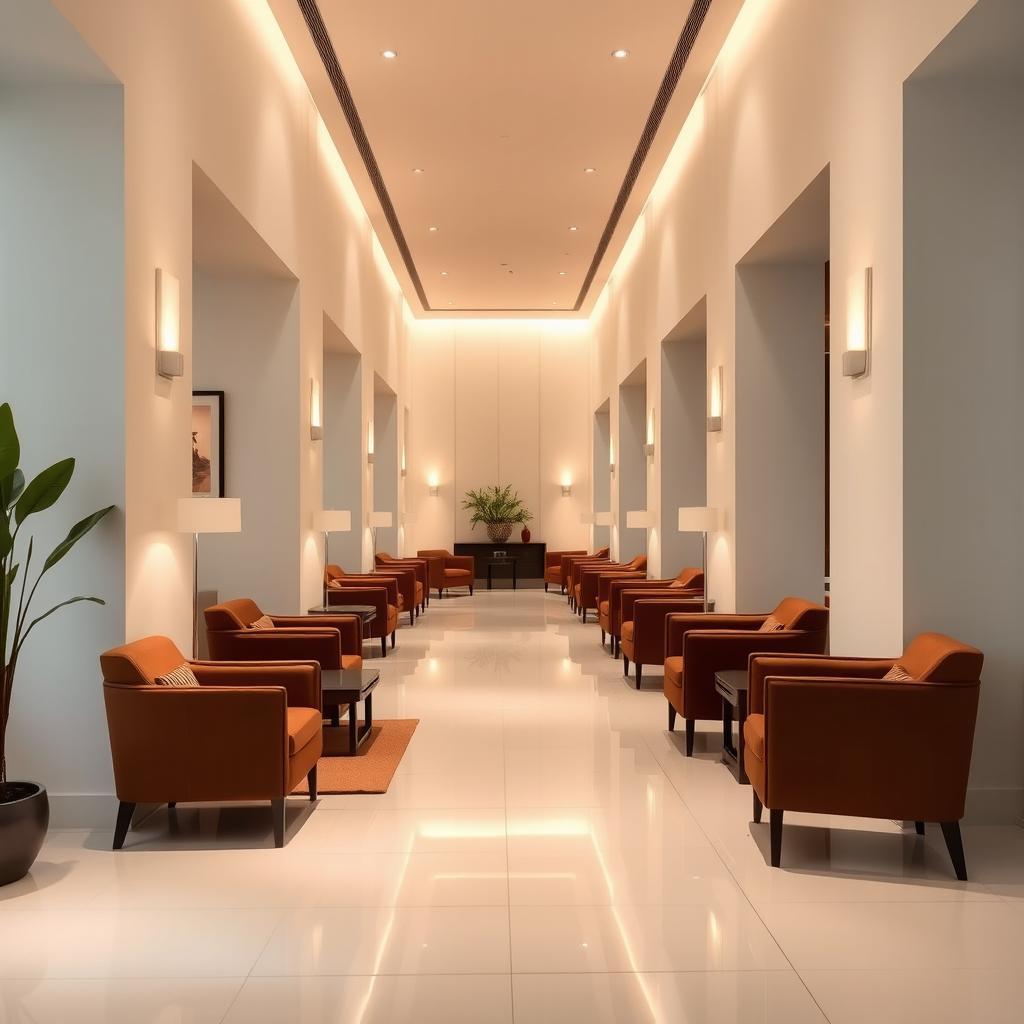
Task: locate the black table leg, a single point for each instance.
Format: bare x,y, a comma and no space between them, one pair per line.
515,576
368,704
353,722
741,717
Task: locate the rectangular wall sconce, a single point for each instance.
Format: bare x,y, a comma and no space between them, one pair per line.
169,361
403,463
855,358
369,443
640,519
649,446
566,485
715,399
611,457
316,417
434,484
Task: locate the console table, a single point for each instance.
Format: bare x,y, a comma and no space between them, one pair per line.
529,557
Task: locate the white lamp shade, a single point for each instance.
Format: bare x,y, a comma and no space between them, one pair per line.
698,519
588,518
210,515
376,519
603,519
334,520
640,519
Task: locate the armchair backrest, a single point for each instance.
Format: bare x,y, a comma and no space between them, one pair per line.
639,563
688,579
602,552
936,658
140,662
434,553
796,613
332,571
231,615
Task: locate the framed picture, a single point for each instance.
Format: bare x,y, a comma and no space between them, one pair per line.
208,444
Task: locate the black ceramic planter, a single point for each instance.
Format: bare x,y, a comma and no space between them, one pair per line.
23,822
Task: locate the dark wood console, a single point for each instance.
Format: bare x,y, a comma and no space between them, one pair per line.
529,557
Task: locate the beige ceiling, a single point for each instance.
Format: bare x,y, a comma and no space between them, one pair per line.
503,106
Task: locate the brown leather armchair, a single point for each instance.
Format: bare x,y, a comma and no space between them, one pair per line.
405,577
569,563
588,577
449,571
553,568
698,645
379,591
249,731
687,583
834,736
421,569
333,641
644,614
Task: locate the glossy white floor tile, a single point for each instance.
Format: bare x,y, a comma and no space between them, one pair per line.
546,853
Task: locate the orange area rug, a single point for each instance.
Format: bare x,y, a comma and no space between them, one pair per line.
372,769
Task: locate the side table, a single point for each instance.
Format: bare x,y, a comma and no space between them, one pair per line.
732,685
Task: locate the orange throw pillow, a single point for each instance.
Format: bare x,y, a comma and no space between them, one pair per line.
182,677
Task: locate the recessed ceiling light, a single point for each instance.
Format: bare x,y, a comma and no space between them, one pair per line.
589,170
444,273
389,54
620,54
573,227
561,273
451,302
432,227
417,170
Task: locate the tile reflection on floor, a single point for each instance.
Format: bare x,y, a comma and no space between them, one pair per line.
545,854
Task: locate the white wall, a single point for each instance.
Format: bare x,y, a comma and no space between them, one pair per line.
499,401
963,366
62,264
343,456
631,469
245,342
385,467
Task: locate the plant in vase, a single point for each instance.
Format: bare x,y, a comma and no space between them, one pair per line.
24,809
498,508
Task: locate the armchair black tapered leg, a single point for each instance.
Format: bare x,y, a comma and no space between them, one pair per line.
584,614
125,811
919,827
171,804
545,586
639,674
691,733
758,808
311,782
625,666
955,846
384,646
393,639
412,616
671,718
277,811
775,825
602,637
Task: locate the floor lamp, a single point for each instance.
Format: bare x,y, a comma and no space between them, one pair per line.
702,520
330,521
378,519
205,515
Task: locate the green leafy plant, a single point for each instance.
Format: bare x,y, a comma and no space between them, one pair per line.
18,501
496,504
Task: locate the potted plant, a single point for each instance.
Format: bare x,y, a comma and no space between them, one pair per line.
498,508
24,808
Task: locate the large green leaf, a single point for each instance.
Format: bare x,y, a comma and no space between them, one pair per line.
56,608
10,490
75,534
10,449
6,541
45,489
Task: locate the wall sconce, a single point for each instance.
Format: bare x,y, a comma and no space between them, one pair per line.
369,443
715,399
402,470
855,358
611,457
316,418
566,485
433,484
169,361
641,519
649,446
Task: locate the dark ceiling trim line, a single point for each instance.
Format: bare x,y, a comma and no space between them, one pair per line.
329,56
673,72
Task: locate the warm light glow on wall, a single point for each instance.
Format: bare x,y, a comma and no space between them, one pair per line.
316,422
649,446
566,484
433,482
611,456
858,331
715,402
369,442
169,361
403,461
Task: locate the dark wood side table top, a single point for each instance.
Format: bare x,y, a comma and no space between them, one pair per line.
729,683
347,685
365,611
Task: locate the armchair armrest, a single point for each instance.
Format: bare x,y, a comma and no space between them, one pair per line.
461,562
350,627
868,747
657,604
322,645
677,626
299,679
606,579
389,583
374,595
590,581
206,743
761,666
708,651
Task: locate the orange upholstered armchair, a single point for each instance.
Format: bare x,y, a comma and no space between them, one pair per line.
687,583
553,568
569,563
588,577
853,736
379,591
333,641
405,577
642,624
448,571
698,645
249,731
419,567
